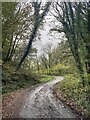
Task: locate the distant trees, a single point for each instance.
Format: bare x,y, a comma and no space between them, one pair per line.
56,59
62,54
47,55
74,18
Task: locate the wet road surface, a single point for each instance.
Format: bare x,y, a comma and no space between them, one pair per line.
41,103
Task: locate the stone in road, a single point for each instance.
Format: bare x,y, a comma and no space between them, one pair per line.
40,103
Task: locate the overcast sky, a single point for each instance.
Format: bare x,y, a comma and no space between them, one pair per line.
46,37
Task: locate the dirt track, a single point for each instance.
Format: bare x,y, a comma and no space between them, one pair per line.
41,103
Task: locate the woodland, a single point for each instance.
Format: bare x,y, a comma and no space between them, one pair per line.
23,66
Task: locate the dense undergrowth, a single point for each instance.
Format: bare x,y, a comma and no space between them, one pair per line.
13,80
71,91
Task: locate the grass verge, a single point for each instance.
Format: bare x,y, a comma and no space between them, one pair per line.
46,78
71,91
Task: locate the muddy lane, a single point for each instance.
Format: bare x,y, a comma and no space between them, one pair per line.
40,103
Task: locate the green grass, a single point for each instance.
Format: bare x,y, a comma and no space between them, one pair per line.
46,78
73,91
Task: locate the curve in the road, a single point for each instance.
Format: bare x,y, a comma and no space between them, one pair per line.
41,103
